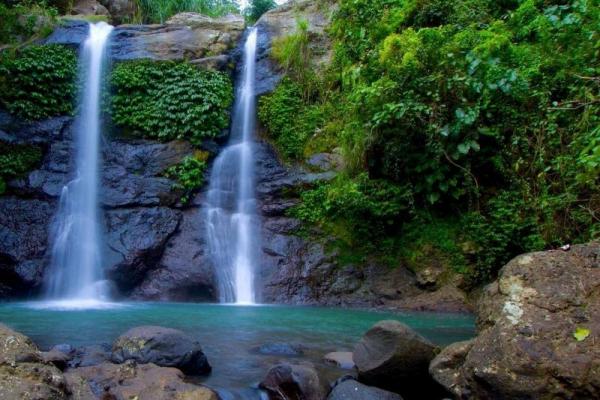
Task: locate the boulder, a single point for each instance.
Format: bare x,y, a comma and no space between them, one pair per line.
342,359
87,356
161,346
89,7
393,356
121,11
132,381
538,332
294,381
22,373
16,347
353,390
57,358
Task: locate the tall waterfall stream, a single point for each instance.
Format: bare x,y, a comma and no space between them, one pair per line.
233,225
75,275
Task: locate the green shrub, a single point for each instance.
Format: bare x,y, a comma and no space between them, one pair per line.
258,7
288,119
38,81
25,20
189,174
15,161
484,109
168,100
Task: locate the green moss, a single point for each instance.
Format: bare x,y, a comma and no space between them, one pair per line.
38,81
169,100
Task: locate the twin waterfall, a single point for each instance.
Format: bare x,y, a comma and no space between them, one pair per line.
76,276
232,223
75,273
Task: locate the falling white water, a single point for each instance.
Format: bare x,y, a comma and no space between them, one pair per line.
75,275
233,224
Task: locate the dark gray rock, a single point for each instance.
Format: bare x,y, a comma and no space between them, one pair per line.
69,33
24,228
136,240
294,381
394,357
87,356
184,272
353,390
164,347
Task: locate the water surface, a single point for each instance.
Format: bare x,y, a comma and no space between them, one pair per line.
228,333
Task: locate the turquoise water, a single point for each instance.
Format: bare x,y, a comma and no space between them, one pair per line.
228,333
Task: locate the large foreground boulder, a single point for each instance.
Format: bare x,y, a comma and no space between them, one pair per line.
294,381
161,346
22,373
393,356
353,390
131,381
539,330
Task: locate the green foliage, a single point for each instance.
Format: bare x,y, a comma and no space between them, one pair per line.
168,100
38,81
288,119
25,20
189,174
349,203
258,7
16,161
158,11
487,111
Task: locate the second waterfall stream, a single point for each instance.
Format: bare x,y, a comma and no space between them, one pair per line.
232,222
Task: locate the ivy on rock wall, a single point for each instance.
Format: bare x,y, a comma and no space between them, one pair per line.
38,81
168,100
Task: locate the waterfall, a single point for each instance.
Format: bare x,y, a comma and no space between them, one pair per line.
232,222
75,272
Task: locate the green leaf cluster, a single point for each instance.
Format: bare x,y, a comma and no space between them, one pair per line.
38,81
189,174
16,160
170,100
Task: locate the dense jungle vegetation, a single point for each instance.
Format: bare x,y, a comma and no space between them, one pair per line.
470,129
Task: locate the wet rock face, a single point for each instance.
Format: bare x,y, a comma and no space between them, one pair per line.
140,209
161,346
526,348
186,36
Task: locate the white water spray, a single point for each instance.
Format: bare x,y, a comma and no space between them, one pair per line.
233,225
75,273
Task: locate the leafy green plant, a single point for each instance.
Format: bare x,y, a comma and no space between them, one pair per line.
38,81
189,174
168,100
16,161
